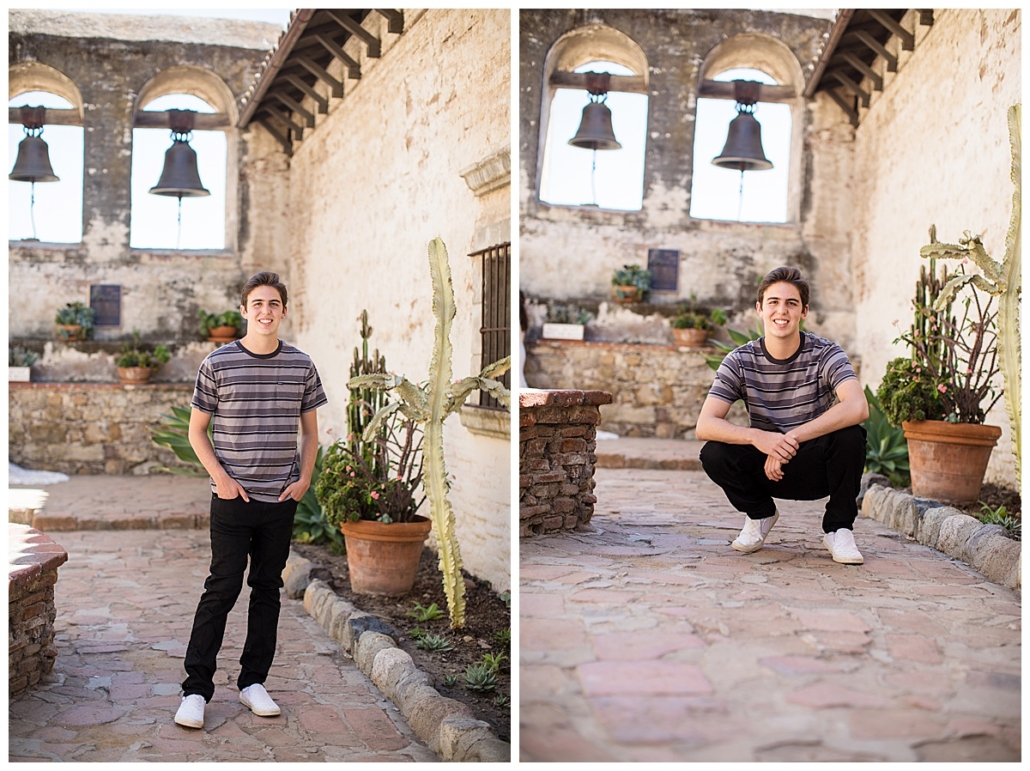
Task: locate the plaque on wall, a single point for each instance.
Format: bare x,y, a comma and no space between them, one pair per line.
664,265
106,302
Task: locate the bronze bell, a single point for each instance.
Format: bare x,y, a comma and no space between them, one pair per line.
743,149
595,129
33,163
180,177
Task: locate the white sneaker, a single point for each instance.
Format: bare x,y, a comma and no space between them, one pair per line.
752,537
260,703
842,546
191,711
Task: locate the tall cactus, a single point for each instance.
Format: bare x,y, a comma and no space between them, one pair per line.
1003,280
430,404
365,402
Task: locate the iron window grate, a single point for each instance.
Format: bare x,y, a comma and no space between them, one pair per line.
496,322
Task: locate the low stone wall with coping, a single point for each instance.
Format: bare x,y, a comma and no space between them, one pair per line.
657,390
33,559
985,547
557,439
91,428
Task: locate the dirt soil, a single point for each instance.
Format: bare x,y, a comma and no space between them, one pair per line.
485,614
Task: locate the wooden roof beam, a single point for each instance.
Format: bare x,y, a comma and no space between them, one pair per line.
353,68
282,138
851,86
309,119
722,89
321,101
878,49
335,86
297,128
394,18
908,40
355,28
844,105
631,83
865,69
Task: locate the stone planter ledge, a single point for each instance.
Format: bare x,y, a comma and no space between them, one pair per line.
445,725
985,547
538,397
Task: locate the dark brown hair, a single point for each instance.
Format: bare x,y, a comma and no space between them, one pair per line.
264,278
788,276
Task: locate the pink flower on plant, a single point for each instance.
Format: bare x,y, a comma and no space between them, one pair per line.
375,495
942,388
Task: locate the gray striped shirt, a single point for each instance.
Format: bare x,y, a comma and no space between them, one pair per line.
780,394
255,402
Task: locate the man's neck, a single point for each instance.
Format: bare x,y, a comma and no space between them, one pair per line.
780,348
262,345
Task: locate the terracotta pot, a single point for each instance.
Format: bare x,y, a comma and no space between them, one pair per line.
134,375
692,338
948,460
221,334
69,332
626,294
383,559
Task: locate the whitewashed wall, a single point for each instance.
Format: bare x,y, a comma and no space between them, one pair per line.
370,186
933,149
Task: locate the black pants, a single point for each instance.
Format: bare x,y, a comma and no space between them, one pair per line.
828,465
260,531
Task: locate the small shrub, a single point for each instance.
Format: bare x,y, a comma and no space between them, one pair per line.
494,661
422,615
503,636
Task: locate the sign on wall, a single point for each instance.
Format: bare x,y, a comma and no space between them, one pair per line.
664,265
106,302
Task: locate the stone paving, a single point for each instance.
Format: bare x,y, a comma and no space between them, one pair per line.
648,638
125,604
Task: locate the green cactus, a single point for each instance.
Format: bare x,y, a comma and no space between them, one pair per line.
430,404
1000,280
364,403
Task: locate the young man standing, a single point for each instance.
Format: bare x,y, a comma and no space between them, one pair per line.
255,392
804,442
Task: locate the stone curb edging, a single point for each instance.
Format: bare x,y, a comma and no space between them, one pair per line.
985,547
445,725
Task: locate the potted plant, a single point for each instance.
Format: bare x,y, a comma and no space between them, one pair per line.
565,321
941,394
220,327
19,364
690,327
367,487
135,365
75,322
630,284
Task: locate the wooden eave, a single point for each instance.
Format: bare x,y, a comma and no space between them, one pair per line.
847,71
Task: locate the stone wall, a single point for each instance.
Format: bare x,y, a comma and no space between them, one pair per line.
110,59
933,149
656,390
33,560
557,438
569,252
90,428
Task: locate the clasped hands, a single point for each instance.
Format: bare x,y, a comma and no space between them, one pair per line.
778,449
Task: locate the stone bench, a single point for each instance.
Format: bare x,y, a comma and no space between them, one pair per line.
557,439
33,560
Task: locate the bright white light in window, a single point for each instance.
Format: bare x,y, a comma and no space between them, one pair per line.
153,218
58,209
715,192
619,176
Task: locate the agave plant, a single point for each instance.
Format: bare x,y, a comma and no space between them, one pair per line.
886,447
430,404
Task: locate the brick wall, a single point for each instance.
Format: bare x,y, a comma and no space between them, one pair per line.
33,559
557,437
657,390
90,428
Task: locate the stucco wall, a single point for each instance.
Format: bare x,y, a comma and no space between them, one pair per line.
110,58
370,186
570,252
933,148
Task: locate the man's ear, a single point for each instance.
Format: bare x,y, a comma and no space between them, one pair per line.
243,311
804,312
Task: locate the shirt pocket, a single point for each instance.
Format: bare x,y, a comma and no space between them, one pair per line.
289,396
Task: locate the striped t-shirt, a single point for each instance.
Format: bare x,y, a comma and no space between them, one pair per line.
780,394
255,402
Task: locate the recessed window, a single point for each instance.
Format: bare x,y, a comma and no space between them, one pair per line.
154,218
569,175
721,194
495,329
58,207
